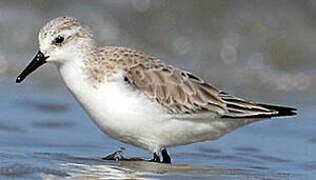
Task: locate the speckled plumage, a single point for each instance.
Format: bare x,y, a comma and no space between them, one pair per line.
63,24
179,92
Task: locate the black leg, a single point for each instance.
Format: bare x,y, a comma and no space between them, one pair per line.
165,156
117,156
156,158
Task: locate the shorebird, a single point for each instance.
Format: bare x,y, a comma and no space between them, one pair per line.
138,99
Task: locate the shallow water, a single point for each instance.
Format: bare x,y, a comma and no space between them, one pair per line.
48,136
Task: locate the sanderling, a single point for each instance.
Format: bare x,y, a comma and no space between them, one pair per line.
138,99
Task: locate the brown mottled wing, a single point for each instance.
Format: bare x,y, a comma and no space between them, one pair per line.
181,92
177,91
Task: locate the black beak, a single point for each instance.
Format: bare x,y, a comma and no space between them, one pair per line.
37,61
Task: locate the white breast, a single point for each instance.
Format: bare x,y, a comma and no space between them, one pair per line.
117,109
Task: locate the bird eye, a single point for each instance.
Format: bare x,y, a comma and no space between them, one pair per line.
59,39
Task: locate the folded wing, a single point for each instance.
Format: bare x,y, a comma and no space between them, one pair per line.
181,92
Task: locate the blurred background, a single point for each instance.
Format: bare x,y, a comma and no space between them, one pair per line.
260,50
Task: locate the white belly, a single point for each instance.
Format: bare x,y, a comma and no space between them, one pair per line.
129,116
125,115
132,118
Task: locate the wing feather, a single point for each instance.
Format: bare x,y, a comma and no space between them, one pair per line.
181,92
178,91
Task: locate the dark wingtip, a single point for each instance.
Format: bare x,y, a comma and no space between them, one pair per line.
282,110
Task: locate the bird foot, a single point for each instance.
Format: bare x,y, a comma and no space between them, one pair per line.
118,156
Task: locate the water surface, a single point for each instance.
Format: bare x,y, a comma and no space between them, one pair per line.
46,135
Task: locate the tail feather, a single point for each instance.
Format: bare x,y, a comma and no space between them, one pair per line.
282,110
276,111
240,108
